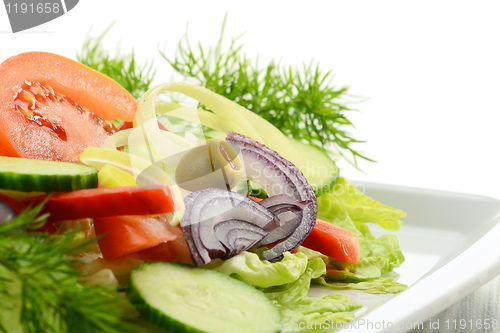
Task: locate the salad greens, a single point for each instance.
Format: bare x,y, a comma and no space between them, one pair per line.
350,209
287,283
263,274
298,307
363,209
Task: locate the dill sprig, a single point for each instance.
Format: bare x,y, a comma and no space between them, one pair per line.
303,104
122,68
38,286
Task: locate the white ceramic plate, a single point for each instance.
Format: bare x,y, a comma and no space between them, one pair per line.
451,244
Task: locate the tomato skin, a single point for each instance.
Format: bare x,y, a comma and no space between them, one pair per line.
103,202
123,235
333,241
87,87
52,107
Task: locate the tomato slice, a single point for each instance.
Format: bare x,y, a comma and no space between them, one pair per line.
122,235
176,250
334,242
52,107
102,202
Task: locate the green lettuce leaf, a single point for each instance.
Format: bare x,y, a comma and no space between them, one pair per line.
247,267
360,207
312,314
287,283
375,286
331,209
372,274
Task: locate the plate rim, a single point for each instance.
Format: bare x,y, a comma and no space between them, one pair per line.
424,306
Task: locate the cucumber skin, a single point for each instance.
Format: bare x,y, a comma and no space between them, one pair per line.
48,183
325,188
312,153
155,316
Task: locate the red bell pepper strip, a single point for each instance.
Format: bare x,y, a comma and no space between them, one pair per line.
175,250
334,242
111,201
122,235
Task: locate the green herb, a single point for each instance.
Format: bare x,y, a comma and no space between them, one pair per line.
120,67
38,287
303,104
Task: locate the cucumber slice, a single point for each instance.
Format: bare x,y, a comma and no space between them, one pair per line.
182,298
318,168
28,175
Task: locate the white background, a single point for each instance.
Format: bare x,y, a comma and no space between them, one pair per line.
429,71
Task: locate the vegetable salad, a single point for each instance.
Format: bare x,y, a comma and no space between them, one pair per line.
180,195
